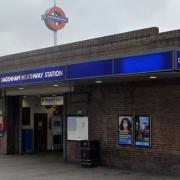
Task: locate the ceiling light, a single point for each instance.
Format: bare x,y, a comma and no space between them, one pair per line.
153,77
99,82
21,88
56,85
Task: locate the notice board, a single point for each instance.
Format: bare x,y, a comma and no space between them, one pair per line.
77,128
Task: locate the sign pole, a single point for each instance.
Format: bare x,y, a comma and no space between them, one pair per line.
55,19
55,32
55,38
54,3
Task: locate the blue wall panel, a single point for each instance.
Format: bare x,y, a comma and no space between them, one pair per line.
27,140
89,69
144,63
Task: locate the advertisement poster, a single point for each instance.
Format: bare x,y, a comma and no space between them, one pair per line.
125,130
56,125
143,131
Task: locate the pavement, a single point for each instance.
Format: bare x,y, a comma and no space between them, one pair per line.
52,167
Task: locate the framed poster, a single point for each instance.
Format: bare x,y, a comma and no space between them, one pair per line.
143,130
77,128
125,136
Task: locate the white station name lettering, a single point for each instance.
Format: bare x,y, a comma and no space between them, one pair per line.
33,76
53,74
11,78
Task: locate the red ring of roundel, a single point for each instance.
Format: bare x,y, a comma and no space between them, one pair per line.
52,24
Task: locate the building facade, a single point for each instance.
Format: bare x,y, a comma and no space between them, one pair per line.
133,75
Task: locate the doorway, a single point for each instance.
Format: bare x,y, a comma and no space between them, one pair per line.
40,132
13,104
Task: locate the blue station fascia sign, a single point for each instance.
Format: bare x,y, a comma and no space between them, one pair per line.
90,69
32,76
148,63
144,63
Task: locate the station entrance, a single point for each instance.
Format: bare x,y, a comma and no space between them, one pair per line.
42,124
35,119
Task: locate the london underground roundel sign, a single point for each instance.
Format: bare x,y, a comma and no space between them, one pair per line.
55,18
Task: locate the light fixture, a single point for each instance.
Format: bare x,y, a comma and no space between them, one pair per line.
153,77
56,85
21,88
99,82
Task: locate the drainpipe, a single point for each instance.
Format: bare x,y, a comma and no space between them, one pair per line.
4,113
65,128
20,125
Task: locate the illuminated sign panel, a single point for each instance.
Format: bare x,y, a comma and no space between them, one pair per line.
32,76
90,69
144,63
52,101
147,63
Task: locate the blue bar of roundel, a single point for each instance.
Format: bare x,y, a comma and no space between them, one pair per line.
144,63
89,69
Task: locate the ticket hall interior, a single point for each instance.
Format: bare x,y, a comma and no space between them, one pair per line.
35,116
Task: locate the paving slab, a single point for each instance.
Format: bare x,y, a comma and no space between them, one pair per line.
52,167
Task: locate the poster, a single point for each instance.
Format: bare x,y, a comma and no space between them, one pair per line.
143,131
77,128
56,125
125,130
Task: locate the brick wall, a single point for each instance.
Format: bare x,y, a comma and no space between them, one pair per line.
123,44
160,99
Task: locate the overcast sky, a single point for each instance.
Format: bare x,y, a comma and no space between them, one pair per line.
21,27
